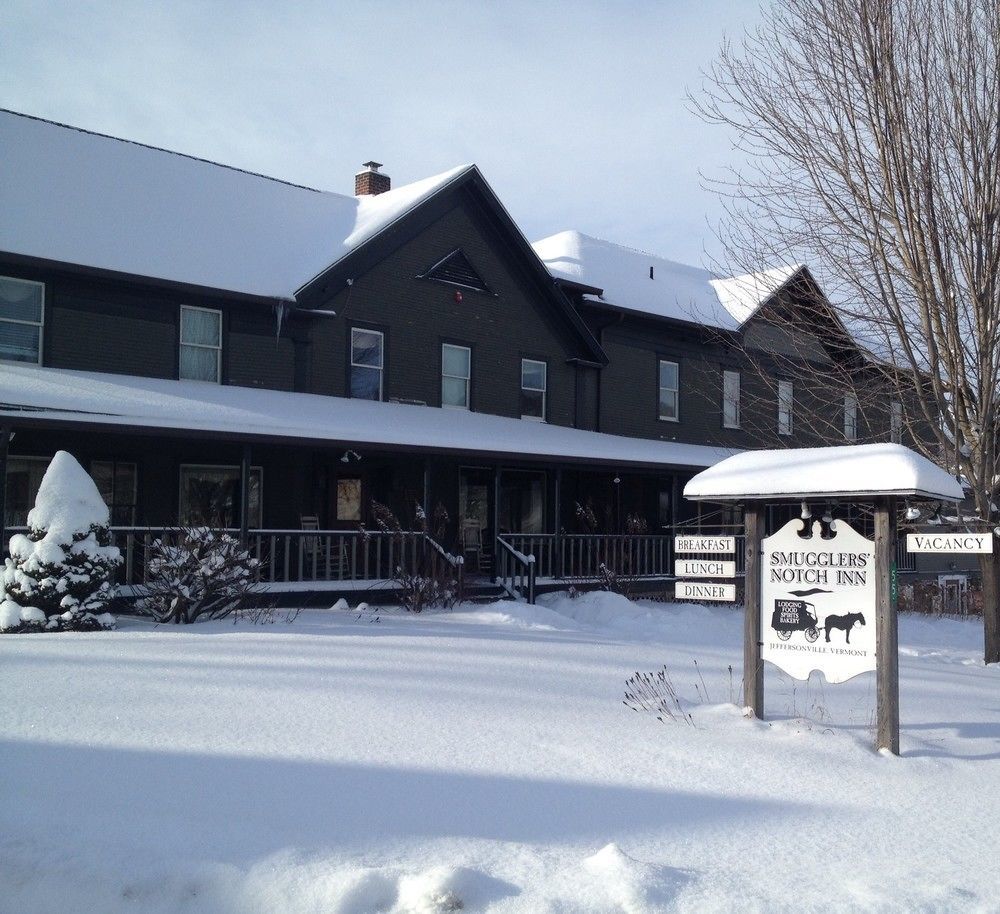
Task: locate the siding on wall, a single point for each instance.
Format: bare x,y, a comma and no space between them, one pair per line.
417,315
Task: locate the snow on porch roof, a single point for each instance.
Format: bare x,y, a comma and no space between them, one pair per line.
78,197
127,401
856,471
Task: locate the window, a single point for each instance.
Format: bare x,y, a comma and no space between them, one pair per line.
24,476
116,481
731,399
534,376
201,345
210,496
896,421
786,399
669,380
366,363
850,417
456,369
349,499
22,311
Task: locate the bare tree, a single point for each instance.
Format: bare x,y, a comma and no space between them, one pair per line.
871,130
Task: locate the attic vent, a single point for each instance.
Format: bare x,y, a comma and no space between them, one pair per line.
456,270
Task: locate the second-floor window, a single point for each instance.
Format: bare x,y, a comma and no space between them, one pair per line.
731,399
366,363
896,421
669,389
850,417
201,344
456,370
22,309
786,401
534,380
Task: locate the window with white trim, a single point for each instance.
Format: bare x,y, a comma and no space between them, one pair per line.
456,370
534,380
669,383
896,421
786,401
367,354
22,313
201,344
731,399
850,417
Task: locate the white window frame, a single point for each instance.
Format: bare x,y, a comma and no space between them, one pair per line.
786,407
182,344
728,373
466,378
896,421
40,324
676,390
543,390
254,468
381,354
850,417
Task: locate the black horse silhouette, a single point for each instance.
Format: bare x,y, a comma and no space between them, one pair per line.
844,623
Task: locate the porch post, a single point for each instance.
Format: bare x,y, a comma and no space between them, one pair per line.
427,488
245,495
753,665
496,508
5,433
887,626
557,541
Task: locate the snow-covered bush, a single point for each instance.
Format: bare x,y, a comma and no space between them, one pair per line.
431,581
194,573
58,576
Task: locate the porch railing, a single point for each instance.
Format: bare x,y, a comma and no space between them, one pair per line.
307,556
515,571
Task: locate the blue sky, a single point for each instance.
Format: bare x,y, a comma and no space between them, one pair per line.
575,112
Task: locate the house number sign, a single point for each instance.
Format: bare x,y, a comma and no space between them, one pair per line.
818,602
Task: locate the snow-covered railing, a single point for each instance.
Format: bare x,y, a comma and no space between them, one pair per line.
568,556
302,556
515,571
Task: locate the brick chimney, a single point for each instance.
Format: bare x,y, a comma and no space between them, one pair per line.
371,181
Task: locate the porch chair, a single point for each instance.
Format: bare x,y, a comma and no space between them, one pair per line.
472,541
311,545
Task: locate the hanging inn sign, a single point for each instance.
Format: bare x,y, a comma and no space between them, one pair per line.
818,595
818,600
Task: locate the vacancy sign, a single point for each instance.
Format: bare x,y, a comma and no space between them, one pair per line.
949,542
704,568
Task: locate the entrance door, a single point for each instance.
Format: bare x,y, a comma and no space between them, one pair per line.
475,513
522,502
954,594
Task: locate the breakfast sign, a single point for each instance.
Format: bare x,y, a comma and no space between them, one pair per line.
715,566
818,601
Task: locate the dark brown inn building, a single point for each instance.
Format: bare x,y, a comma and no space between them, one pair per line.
222,348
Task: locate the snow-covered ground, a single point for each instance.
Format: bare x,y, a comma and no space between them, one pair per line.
484,757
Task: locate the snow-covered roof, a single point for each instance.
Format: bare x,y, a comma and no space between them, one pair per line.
77,197
155,403
675,290
857,470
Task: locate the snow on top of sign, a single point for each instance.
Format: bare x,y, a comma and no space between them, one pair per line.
125,400
90,199
675,290
860,469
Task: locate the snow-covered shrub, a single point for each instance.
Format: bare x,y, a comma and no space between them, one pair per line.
58,576
194,573
432,581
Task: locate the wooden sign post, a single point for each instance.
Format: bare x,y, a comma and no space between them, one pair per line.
887,627
753,665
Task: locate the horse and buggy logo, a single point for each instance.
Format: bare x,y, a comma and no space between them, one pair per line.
799,616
